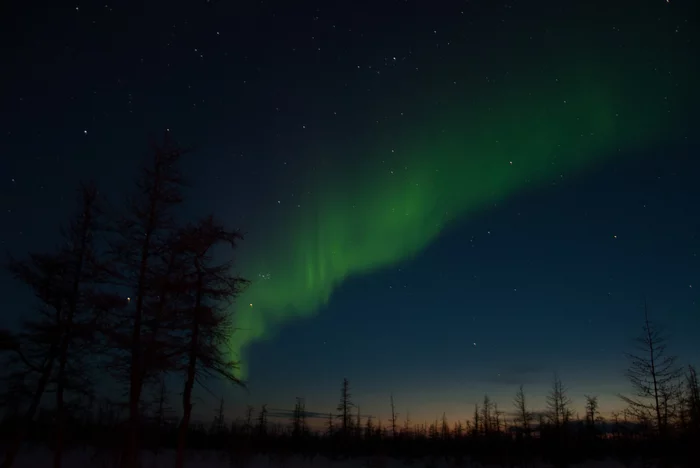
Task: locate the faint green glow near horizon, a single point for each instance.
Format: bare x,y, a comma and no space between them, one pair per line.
514,137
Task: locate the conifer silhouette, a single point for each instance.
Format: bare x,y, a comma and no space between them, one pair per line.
653,374
344,407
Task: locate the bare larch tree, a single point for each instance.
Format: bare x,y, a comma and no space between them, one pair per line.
394,417
591,411
85,308
298,418
212,287
142,234
262,421
407,424
219,424
161,412
344,407
523,416
652,373
486,414
63,336
559,410
34,349
329,425
692,401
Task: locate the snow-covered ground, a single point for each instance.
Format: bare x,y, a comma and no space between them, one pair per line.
40,457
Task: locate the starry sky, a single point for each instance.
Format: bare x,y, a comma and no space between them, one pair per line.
440,199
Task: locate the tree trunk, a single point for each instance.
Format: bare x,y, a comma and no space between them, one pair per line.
60,411
87,224
62,362
130,457
657,408
187,402
189,383
31,411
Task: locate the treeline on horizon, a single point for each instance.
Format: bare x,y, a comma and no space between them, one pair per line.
133,295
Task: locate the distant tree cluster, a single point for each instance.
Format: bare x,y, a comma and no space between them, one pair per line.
130,292
517,437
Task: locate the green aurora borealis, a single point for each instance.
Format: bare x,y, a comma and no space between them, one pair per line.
400,190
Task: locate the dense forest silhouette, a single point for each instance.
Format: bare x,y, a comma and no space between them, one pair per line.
133,295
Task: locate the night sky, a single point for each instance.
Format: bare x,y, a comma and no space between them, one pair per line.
440,198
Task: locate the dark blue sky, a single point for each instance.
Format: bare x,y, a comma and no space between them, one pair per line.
552,279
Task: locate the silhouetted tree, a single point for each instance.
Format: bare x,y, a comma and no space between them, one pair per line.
486,414
262,421
433,431
85,305
394,417
458,430
523,416
672,400
559,410
692,400
344,407
219,424
591,412
248,424
652,373
379,430
161,411
34,349
298,418
498,417
477,426
55,347
329,425
143,233
212,288
369,428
